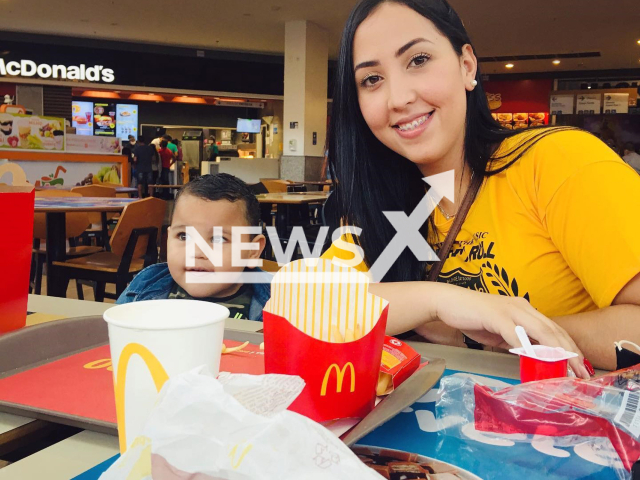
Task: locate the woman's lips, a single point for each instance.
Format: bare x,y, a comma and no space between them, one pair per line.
414,128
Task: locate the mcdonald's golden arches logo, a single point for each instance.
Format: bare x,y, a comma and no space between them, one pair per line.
158,375
339,378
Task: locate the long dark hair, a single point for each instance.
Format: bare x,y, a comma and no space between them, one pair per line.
372,178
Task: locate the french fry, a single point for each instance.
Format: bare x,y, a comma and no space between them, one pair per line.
262,346
336,336
358,332
233,349
349,335
383,383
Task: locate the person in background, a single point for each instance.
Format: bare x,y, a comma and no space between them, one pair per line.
171,146
167,159
144,157
178,163
631,156
212,149
128,150
155,143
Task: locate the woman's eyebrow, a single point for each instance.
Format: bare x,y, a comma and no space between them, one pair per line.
401,50
410,44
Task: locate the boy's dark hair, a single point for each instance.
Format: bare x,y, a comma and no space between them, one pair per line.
223,187
166,137
141,139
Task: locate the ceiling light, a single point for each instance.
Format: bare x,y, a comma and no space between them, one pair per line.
556,62
589,87
509,65
638,42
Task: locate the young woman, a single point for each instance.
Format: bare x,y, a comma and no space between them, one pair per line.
553,232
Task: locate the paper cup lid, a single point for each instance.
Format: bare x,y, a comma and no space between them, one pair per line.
546,354
169,314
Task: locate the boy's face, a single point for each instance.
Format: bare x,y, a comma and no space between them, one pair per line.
203,215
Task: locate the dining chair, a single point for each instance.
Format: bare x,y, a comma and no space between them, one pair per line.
75,225
96,229
133,248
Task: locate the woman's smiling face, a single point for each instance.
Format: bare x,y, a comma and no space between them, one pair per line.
412,86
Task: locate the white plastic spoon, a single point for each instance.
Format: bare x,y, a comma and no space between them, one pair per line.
524,340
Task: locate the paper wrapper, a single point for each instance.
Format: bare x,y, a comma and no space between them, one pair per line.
309,304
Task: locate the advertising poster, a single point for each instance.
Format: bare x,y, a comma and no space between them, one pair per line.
82,117
104,119
84,144
69,174
126,121
31,132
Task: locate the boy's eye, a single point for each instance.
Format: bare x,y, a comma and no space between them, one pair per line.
218,239
183,236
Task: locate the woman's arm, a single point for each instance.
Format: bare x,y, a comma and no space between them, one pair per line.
596,331
489,319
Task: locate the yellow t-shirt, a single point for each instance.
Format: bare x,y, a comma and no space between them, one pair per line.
560,227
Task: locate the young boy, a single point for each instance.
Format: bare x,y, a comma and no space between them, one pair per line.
209,201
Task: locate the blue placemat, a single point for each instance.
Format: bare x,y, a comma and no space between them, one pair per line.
414,430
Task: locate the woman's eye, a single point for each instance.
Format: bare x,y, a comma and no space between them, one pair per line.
419,60
183,236
370,80
218,240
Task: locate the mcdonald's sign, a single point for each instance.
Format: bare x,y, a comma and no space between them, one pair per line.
158,375
339,378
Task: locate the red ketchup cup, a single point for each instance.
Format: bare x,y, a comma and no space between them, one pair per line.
549,362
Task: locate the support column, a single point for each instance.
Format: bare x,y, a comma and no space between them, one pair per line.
306,68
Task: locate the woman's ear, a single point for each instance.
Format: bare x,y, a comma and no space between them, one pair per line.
469,66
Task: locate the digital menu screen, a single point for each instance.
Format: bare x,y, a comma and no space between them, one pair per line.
126,121
82,117
104,119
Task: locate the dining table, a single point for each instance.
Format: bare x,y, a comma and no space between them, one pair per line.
286,203
56,209
118,188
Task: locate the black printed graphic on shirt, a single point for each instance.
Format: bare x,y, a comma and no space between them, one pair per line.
489,277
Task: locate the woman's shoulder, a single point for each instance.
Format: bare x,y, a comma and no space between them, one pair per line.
555,157
558,148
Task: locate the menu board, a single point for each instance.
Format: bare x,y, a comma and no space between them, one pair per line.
516,121
82,117
126,121
616,103
561,104
31,132
104,119
588,103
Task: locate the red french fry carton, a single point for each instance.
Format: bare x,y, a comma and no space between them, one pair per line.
399,361
16,241
306,324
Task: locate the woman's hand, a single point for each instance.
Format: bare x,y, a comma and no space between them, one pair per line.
491,320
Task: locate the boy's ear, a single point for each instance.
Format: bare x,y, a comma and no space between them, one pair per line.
261,241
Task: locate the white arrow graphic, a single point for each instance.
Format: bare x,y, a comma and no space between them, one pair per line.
408,227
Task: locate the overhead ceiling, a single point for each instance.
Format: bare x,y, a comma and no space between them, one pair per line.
497,27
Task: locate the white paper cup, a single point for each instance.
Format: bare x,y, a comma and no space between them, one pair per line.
152,341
